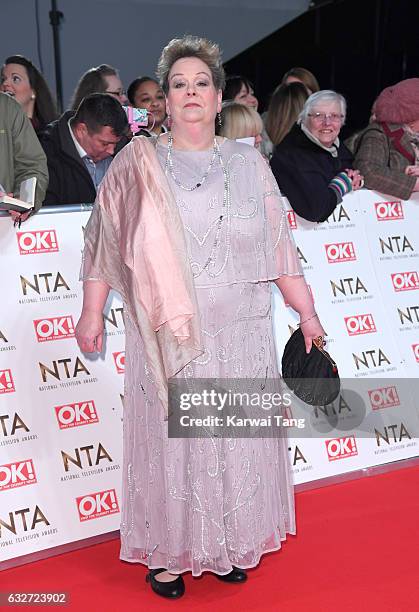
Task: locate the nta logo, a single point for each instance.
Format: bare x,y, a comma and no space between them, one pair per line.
83,454
10,428
395,244
24,519
60,368
37,241
392,434
338,214
348,286
371,359
46,282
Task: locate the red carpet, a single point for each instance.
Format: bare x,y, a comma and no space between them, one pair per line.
356,550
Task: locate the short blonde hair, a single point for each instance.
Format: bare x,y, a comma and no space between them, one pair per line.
239,121
191,46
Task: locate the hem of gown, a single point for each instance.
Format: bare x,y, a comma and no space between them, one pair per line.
209,571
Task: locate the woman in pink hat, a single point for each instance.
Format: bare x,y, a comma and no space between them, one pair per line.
388,150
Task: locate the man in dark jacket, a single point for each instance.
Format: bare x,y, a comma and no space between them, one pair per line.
80,147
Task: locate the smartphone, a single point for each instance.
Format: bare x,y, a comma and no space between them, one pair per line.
137,118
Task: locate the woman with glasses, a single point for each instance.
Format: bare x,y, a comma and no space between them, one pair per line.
101,79
312,167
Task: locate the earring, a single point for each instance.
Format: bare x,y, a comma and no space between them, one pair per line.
220,123
169,120
33,96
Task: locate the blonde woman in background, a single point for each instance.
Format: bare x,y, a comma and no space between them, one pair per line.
239,121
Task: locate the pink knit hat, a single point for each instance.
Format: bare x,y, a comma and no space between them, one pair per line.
399,103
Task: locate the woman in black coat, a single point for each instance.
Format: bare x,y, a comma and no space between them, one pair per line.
312,167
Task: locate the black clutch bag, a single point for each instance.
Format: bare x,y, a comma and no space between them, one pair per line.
313,377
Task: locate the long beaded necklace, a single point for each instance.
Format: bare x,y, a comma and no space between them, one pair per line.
169,164
226,206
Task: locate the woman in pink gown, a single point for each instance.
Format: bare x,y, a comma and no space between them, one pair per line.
191,230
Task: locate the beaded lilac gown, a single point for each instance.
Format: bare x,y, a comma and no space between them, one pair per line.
208,504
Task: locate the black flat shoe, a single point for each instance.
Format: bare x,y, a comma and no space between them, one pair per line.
172,589
236,575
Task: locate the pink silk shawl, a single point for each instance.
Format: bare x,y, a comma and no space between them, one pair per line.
134,242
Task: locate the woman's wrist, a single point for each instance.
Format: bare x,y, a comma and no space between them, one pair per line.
341,184
307,319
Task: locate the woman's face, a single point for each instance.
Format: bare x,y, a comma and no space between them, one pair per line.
114,88
149,95
246,96
192,97
15,82
324,122
258,140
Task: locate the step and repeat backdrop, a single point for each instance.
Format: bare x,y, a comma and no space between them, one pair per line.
61,411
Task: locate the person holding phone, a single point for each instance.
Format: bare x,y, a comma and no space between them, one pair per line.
145,92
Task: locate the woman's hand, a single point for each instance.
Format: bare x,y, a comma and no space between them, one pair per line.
356,178
412,170
19,217
89,331
312,329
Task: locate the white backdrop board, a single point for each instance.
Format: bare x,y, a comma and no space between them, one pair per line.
61,411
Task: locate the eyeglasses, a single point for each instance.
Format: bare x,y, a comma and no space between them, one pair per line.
320,117
120,92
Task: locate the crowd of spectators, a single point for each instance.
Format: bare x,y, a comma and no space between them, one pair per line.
299,135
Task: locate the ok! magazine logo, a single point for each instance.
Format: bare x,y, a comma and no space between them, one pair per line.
389,211
7,384
341,448
360,324
292,220
119,359
96,505
338,252
17,474
384,397
54,328
76,414
37,241
405,281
